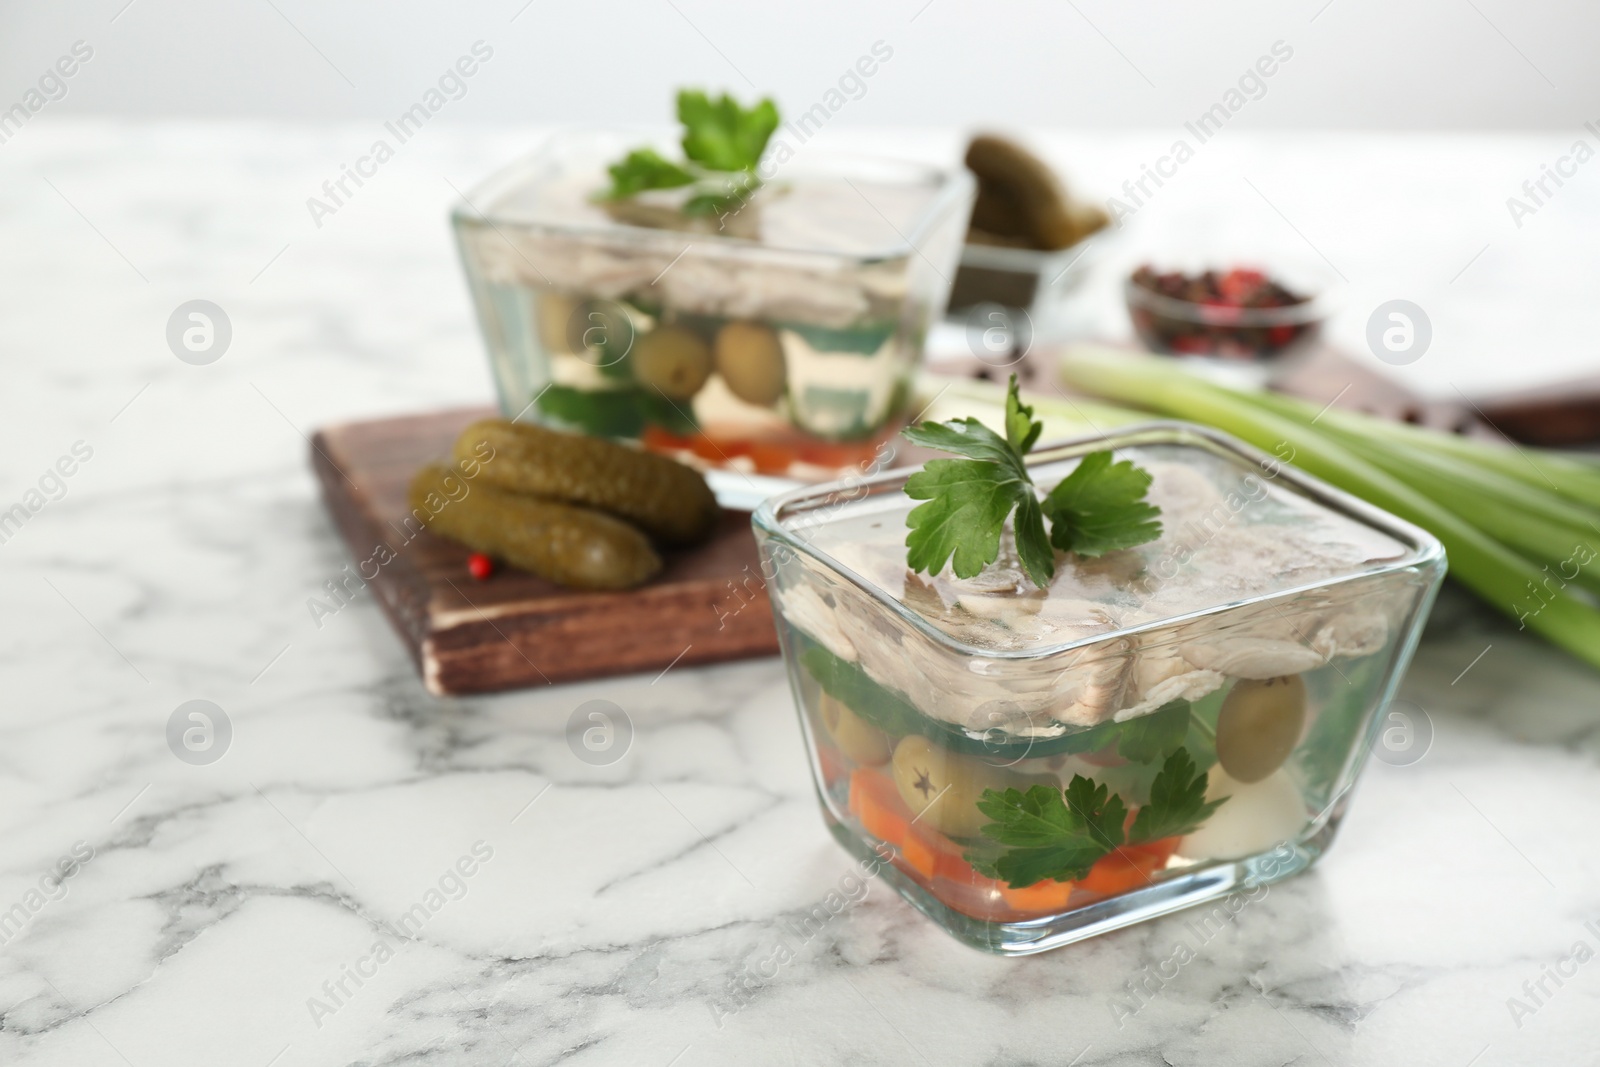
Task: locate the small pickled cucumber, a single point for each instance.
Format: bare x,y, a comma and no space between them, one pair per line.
750,359
1259,725
1019,195
861,742
673,360
942,788
570,545
664,498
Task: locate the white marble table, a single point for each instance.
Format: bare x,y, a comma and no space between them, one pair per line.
239,912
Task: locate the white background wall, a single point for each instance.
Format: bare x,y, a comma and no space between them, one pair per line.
1101,87
1392,64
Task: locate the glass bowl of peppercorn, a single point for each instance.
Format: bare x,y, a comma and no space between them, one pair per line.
1237,315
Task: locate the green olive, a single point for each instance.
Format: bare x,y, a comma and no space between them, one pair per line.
750,360
672,360
942,788
865,744
1259,725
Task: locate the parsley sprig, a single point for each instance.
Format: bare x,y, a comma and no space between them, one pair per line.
1097,508
645,168
720,135
1051,834
722,143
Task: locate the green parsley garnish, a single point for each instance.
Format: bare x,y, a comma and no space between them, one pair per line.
1097,508
1100,507
620,412
721,135
1050,834
645,168
1178,802
1056,835
969,500
722,143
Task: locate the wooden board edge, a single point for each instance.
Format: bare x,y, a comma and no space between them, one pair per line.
489,654
406,617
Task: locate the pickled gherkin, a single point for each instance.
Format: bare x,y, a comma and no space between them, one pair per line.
574,546
666,499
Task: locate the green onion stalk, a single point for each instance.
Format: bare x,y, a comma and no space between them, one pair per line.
1505,520
1571,477
1533,521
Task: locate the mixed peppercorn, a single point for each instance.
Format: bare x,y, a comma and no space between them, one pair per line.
1237,314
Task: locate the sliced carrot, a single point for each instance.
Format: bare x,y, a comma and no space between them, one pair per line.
772,452
839,456
659,439
1041,896
920,855
770,458
1160,851
951,865
1114,874
876,803
1130,867
699,444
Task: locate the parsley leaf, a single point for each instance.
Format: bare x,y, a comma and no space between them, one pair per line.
720,135
1021,431
705,205
969,500
1050,835
1178,802
645,168
1100,507
721,194
722,143
621,412
1033,544
967,437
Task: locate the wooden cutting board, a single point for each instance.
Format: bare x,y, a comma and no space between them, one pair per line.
708,604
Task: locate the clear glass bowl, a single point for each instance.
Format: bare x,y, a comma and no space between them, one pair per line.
1036,282
1235,335
777,336
1260,635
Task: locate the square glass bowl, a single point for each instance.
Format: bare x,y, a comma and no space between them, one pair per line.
1251,647
1036,282
777,333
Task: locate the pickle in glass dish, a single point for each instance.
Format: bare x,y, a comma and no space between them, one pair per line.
778,335
1046,754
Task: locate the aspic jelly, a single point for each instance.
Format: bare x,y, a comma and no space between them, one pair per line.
1157,726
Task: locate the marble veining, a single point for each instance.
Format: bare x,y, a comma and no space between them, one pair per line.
305,899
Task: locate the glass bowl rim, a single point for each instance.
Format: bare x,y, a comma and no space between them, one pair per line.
1316,308
1425,550
950,185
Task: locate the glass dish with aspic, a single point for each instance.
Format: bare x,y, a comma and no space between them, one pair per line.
1194,712
779,336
